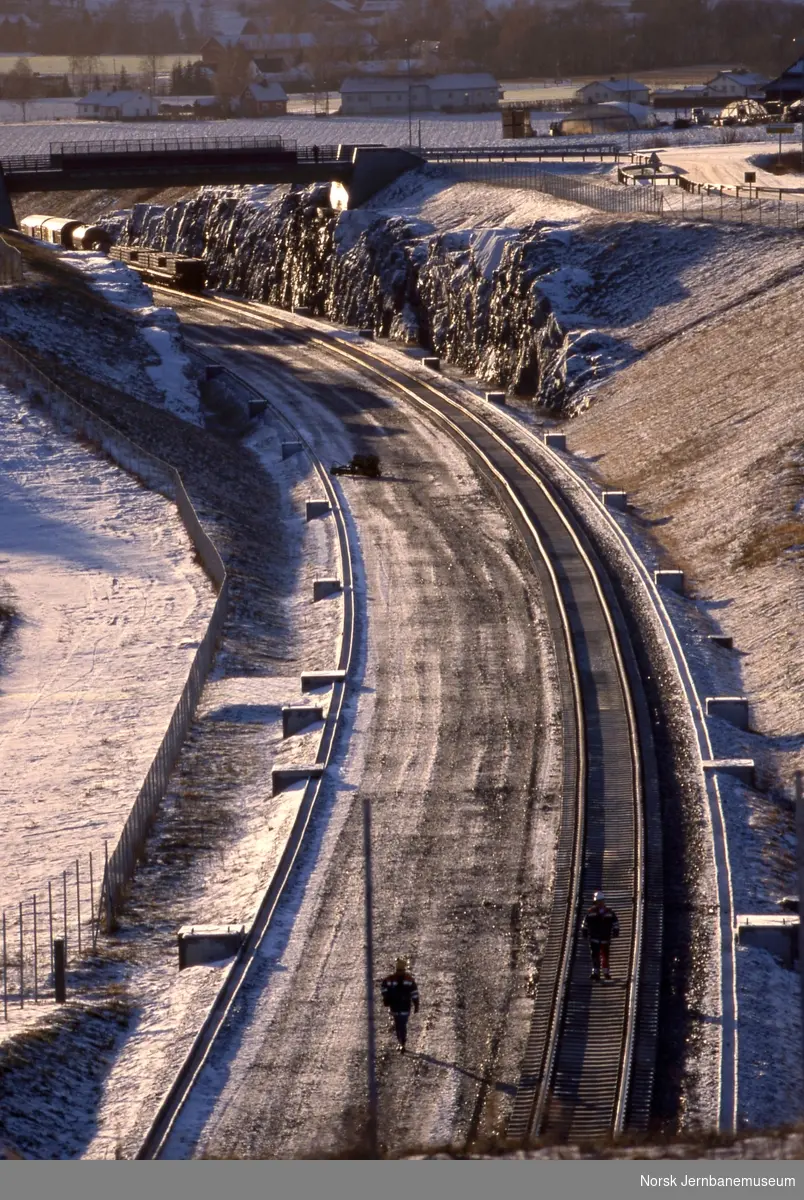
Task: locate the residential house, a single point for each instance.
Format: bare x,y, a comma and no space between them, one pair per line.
264,100
117,106
631,91
789,85
377,95
736,85
472,92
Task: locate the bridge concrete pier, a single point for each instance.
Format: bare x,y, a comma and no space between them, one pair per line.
7,217
373,168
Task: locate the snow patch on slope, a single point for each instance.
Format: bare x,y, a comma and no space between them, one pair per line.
159,327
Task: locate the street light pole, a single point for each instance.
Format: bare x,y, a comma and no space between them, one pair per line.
372,1130
410,98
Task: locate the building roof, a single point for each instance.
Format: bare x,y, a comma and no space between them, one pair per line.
617,85
288,41
462,82
795,69
112,99
436,83
746,78
377,83
266,93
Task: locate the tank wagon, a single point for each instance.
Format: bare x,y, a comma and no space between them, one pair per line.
67,232
171,270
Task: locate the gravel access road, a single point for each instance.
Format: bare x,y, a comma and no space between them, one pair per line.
454,738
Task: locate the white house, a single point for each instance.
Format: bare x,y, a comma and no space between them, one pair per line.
381,94
375,94
631,91
734,85
477,92
117,106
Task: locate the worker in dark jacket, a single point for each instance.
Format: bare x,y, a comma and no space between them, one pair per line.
600,925
399,993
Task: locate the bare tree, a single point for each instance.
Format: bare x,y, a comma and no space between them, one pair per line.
231,75
150,67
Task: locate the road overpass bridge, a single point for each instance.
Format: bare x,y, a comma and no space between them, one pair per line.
171,162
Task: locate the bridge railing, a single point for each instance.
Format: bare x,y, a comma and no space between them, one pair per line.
166,145
26,162
503,153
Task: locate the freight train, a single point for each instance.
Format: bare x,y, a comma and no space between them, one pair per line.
171,270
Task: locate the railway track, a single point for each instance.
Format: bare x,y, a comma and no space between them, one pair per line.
177,1096
588,1067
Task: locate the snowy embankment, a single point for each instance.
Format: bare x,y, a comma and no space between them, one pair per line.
541,297
514,287
111,605
159,327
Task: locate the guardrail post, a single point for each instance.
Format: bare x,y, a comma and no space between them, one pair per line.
371,1047
59,970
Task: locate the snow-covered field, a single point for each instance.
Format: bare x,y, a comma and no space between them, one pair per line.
111,607
429,130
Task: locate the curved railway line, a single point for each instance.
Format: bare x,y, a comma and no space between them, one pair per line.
589,1062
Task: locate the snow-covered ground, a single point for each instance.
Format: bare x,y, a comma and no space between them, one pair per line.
429,130
727,165
111,607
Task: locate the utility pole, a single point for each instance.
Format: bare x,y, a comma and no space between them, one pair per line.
371,1040
410,98
800,857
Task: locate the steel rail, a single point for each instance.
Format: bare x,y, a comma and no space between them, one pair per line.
173,1102
578,1066
729,1030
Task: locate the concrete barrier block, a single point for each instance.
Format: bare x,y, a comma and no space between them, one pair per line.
213,370
556,441
774,932
738,768
366,333
616,500
670,579
283,777
325,587
291,448
316,508
310,680
495,397
733,709
722,639
296,717
433,363
302,310
208,943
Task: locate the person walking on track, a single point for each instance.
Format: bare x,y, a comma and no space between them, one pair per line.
600,925
399,993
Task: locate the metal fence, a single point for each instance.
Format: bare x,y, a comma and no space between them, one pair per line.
167,145
565,187
91,899
10,263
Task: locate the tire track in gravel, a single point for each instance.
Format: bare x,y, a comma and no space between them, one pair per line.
459,762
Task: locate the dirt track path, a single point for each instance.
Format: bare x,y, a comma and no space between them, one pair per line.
454,741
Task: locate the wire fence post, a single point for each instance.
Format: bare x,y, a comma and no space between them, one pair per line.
78,903
22,974
799,784
36,956
93,924
64,895
371,1048
50,917
107,886
5,971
